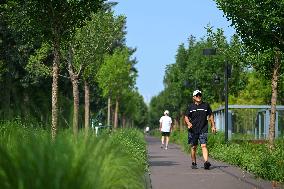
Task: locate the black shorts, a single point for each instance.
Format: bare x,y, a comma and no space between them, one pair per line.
166,133
193,138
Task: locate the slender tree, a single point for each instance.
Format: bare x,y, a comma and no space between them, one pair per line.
133,108
92,41
53,22
115,75
260,25
74,77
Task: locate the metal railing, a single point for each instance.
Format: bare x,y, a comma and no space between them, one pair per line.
100,127
252,120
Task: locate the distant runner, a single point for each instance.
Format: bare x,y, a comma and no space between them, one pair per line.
165,128
147,129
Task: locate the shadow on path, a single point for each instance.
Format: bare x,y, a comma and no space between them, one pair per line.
163,163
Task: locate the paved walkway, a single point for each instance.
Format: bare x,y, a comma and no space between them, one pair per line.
171,169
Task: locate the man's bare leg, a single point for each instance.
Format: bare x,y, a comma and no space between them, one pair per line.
205,156
167,141
204,152
162,140
193,153
193,157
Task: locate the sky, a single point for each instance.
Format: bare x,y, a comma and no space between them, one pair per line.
157,27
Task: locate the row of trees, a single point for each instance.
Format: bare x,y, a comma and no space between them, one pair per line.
81,42
255,54
260,24
192,70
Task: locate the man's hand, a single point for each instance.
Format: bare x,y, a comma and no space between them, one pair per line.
212,124
189,125
214,130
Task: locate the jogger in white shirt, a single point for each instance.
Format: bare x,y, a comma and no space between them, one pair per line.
165,128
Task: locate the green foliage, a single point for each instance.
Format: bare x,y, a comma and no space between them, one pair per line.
115,74
29,159
257,91
52,22
3,69
31,34
255,158
256,21
156,109
192,70
181,137
133,107
95,39
263,62
260,26
36,20
131,141
36,64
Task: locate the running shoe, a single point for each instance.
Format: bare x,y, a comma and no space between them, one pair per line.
193,165
207,165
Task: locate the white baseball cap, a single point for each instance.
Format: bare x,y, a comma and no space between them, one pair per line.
196,92
166,112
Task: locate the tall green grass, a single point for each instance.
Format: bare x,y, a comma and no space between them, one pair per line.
30,160
132,142
255,158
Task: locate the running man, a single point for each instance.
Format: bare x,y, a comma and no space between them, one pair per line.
196,118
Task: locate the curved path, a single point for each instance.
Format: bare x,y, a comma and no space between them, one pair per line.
170,169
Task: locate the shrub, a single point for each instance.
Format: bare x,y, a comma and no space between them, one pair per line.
253,157
30,160
131,142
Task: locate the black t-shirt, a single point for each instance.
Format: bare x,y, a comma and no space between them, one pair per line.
197,115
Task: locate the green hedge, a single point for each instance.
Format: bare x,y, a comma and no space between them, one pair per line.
255,158
30,160
132,142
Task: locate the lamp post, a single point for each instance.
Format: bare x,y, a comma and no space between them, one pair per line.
212,51
226,101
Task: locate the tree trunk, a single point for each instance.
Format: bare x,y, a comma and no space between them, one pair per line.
26,110
108,111
75,85
175,124
123,121
7,98
127,123
112,115
55,72
116,114
274,83
181,124
87,107
181,121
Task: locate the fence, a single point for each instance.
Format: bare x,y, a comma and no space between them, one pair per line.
99,128
251,121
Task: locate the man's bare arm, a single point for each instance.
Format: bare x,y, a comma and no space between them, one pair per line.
212,123
189,125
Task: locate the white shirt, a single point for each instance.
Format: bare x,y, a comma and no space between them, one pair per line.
147,129
166,122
